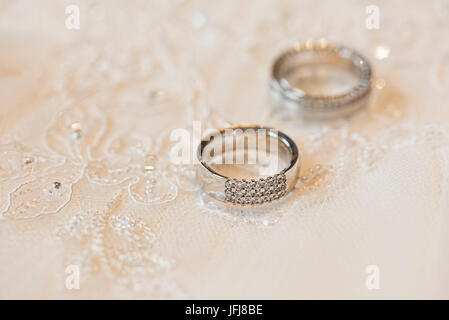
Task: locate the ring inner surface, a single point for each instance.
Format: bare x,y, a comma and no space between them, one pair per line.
247,154
320,73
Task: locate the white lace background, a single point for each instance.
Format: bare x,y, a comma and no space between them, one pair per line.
85,118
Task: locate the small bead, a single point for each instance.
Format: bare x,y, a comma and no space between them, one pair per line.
28,160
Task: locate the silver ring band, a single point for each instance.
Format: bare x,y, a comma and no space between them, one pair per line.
256,190
298,102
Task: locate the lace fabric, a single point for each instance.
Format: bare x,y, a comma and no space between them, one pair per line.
86,181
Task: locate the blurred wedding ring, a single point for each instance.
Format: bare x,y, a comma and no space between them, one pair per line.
320,81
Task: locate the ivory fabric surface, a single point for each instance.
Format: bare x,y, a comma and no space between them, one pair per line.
85,112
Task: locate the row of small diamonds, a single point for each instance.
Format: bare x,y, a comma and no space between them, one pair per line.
255,191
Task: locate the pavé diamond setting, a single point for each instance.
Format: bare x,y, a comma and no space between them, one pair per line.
258,191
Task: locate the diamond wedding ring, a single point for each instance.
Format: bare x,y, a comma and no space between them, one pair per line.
250,146
320,81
